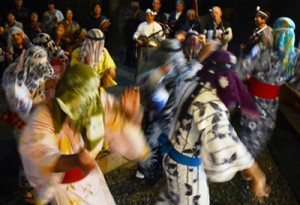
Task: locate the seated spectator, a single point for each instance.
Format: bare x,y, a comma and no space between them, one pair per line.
97,20
21,13
17,42
8,23
34,26
78,38
52,17
71,27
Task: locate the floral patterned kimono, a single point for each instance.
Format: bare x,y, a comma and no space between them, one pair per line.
202,134
41,146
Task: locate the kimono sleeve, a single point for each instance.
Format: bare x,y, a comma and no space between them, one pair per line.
39,149
247,64
222,153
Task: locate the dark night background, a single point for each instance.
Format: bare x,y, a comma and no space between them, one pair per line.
240,13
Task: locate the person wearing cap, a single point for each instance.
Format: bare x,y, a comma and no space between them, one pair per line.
261,20
51,17
218,29
201,142
64,135
270,64
93,53
148,36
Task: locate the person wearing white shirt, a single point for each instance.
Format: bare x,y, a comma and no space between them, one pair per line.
148,36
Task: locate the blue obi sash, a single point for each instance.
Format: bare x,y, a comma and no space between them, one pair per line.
167,148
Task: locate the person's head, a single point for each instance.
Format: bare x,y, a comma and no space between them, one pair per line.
262,17
33,16
51,5
150,15
191,15
180,6
17,39
216,14
92,48
284,40
77,96
97,9
169,52
26,89
68,14
44,40
220,71
191,45
135,6
60,30
10,17
156,5
18,3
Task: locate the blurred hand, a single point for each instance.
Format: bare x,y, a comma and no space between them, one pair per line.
206,50
130,102
86,161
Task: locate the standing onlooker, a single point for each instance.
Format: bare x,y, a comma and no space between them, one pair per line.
133,17
218,29
261,20
177,18
21,13
148,36
97,20
34,26
52,17
160,17
192,22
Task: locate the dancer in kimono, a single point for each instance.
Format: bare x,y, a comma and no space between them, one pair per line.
63,137
93,53
24,83
201,142
157,95
269,65
157,86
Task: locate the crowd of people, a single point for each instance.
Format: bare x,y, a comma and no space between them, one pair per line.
176,121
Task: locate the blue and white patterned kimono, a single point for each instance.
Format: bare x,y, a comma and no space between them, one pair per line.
202,132
158,94
261,65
